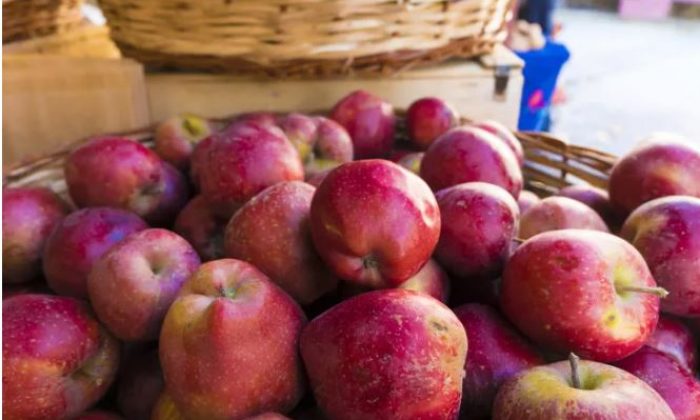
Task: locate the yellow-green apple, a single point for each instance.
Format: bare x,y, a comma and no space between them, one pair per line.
132,285
386,354
470,154
370,122
29,215
657,168
374,223
429,118
98,415
176,137
496,353
173,197
203,228
140,385
79,240
598,200
57,360
583,291
526,200
229,344
556,213
675,339
505,135
675,384
411,161
272,232
578,390
667,233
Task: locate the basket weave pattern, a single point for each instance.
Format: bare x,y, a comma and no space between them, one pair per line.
304,37
24,19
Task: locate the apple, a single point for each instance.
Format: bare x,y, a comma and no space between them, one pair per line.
198,159
598,200
370,122
140,385
264,118
230,321
556,213
132,285
269,416
578,390
667,233
505,135
176,137
315,179
374,223
203,228
98,415
660,167
583,291
272,232
174,197
429,118
526,200
412,161
244,160
79,240
57,360
386,354
496,353
470,154
479,222
676,340
28,217
673,382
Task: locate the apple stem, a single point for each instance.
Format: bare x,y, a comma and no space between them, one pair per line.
575,377
518,240
658,291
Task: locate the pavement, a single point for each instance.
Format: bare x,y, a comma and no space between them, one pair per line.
627,79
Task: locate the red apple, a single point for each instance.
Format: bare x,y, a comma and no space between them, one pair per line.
429,118
79,240
583,291
272,232
370,122
674,383
259,117
600,392
658,168
598,200
676,340
505,135
231,321
496,353
374,223
479,222
556,213
176,137
140,385
132,285
28,217
412,161
387,354
198,159
470,154
174,197
98,415
203,228
667,233
57,361
526,200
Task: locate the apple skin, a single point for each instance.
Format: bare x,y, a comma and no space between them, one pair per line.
225,314
470,154
243,160
47,342
667,233
496,353
140,385
132,285
79,240
479,222
176,137
412,161
165,409
386,354
560,289
505,135
98,415
556,213
369,121
598,200
545,392
526,200
676,340
272,232
203,228
676,385
429,118
29,215
173,198
374,223
660,167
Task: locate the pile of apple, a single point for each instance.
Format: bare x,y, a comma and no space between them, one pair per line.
300,283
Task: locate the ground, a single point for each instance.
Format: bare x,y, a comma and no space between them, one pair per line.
626,79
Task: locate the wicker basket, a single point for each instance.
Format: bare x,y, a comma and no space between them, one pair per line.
83,41
550,164
24,19
303,38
